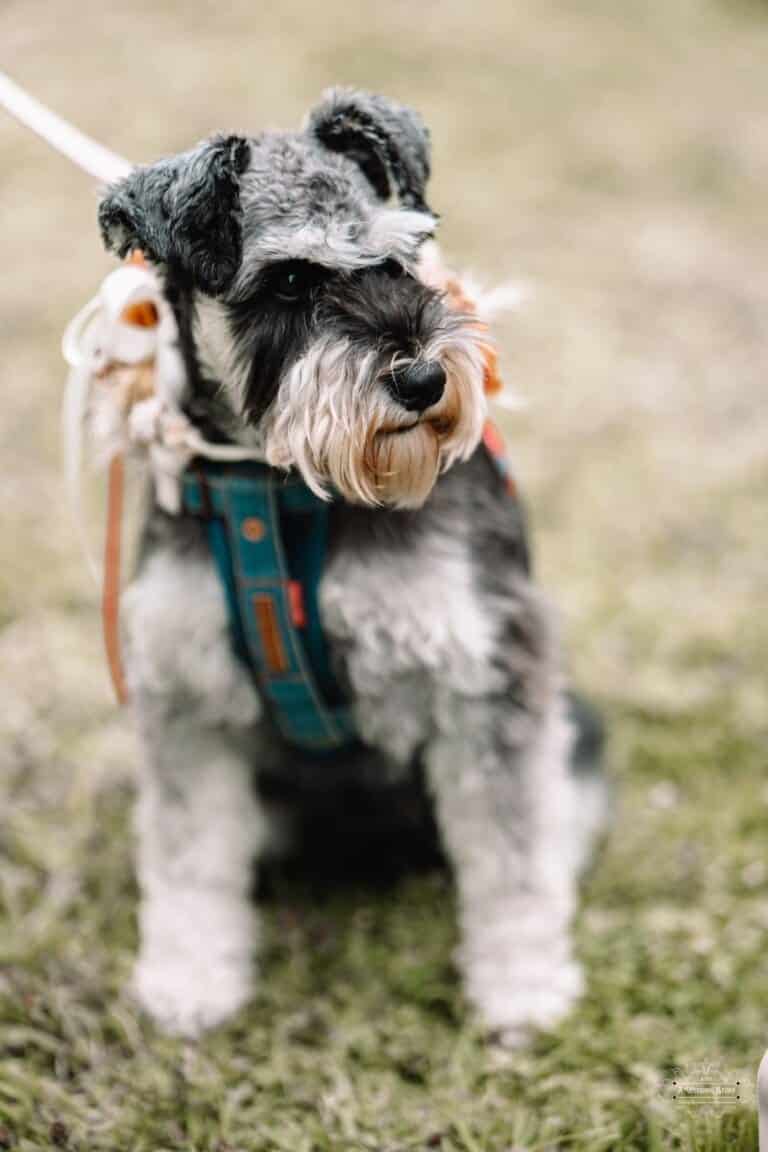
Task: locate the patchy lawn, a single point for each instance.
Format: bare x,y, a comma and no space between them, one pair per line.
615,156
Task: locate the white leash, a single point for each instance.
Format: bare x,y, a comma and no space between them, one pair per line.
86,153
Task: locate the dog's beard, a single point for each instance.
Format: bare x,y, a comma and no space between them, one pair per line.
334,420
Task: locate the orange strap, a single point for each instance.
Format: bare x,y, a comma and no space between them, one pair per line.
110,599
144,315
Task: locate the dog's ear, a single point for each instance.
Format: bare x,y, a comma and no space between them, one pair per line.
183,212
389,142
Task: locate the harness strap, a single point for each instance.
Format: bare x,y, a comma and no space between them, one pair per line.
497,450
268,536
110,597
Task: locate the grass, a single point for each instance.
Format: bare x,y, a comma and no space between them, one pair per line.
359,1039
616,156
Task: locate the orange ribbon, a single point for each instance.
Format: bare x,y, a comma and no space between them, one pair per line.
492,381
143,314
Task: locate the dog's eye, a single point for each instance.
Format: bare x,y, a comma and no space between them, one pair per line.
393,269
293,280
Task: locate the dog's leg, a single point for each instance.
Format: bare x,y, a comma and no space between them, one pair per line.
197,820
503,793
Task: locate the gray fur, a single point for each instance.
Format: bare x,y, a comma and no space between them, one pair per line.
196,212
388,141
183,212
447,651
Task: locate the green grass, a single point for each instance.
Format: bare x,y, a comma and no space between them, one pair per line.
358,1038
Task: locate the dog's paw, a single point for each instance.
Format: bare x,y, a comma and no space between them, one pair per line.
514,1000
185,997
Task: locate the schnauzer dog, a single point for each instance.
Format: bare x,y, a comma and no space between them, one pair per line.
292,263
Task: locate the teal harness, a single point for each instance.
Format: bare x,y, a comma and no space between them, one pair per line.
268,534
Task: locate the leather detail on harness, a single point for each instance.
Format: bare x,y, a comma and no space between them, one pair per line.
268,534
271,641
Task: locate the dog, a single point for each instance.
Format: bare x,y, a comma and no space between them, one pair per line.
292,264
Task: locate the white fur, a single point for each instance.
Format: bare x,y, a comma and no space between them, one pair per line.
216,355
177,640
413,627
197,820
215,350
507,827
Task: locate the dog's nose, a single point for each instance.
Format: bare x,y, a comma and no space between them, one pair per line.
418,386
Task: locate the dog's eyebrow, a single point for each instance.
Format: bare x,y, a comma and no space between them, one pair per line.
390,233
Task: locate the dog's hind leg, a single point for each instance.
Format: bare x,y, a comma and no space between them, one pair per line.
504,797
198,824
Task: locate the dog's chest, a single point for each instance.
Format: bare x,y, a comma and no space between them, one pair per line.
407,626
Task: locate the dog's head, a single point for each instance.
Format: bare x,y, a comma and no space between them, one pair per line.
297,255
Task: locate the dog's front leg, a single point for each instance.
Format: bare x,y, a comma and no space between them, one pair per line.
503,795
197,821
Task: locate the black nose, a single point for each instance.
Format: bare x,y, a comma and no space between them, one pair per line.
418,386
